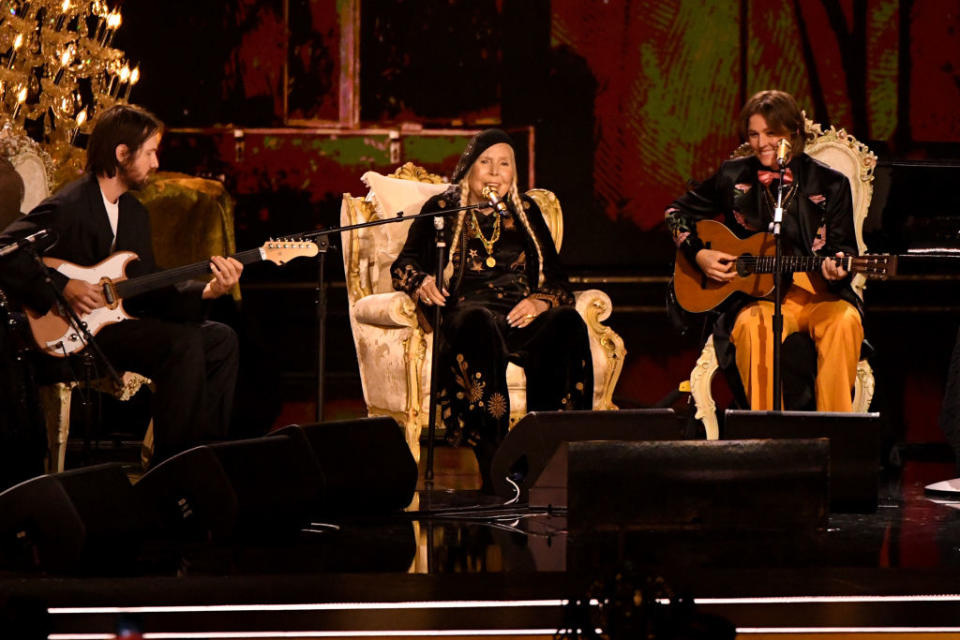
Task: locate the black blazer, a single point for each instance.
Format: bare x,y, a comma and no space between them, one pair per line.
818,221
81,234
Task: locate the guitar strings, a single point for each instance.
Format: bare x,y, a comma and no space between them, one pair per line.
126,288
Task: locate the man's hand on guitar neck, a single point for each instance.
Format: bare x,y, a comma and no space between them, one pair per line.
717,265
82,296
833,269
226,273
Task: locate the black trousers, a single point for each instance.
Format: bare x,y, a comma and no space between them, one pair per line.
554,351
194,369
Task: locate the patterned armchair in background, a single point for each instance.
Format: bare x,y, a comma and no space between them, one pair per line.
393,350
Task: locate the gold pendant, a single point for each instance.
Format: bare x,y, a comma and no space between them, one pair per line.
491,262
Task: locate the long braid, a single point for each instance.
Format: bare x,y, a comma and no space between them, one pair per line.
522,215
457,229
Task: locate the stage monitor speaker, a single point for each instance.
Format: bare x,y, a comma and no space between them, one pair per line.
367,464
855,445
80,520
747,485
533,440
263,486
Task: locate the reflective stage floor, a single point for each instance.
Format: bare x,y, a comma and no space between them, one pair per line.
461,564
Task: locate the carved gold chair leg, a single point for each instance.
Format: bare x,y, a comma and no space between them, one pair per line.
701,379
863,387
55,400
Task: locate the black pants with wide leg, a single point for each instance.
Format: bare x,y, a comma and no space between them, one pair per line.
554,351
194,369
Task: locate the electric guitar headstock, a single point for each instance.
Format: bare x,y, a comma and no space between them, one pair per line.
284,250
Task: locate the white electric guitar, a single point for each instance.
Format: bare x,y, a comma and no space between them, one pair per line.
54,335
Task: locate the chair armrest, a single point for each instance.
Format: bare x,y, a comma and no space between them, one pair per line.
388,310
593,304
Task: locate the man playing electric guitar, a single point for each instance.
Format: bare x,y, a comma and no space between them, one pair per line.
192,363
817,220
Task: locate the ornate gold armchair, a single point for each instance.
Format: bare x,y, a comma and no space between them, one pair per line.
844,153
393,351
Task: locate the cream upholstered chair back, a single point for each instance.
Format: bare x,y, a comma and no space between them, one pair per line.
842,152
368,253
393,349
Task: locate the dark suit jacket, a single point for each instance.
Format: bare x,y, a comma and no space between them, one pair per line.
82,235
822,206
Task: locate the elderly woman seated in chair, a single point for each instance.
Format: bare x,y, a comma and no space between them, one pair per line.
505,298
817,220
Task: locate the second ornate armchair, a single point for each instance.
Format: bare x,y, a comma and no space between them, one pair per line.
393,351
844,153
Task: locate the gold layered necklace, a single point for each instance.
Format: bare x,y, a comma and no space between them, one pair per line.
494,236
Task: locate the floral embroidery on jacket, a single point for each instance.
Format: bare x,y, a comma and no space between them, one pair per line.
820,239
497,405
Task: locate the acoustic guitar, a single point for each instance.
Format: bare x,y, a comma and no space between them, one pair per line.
54,335
754,266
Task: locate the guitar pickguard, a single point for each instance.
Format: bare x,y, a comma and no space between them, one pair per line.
52,333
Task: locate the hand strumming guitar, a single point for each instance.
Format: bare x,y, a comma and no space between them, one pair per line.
717,265
83,297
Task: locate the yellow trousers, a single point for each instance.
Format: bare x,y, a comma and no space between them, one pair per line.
836,329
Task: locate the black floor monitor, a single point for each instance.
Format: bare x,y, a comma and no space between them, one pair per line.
532,442
855,443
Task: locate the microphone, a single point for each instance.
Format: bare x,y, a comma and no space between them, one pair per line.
783,148
22,242
499,205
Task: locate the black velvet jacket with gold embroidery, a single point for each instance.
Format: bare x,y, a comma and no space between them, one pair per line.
546,278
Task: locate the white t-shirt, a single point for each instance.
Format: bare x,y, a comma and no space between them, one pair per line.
113,213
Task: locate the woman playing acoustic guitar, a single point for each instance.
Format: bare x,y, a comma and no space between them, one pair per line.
817,220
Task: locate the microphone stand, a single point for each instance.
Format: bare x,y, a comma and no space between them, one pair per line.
778,292
435,360
435,357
